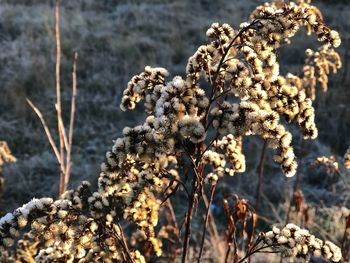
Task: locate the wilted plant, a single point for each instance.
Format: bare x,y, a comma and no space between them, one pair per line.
193,135
301,209
241,222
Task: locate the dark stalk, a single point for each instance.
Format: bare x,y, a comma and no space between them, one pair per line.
212,190
189,219
260,176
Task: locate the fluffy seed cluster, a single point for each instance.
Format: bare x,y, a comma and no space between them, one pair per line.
247,96
293,241
330,163
62,231
318,65
226,158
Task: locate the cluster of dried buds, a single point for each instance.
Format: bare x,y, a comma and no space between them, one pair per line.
330,163
248,96
317,67
293,241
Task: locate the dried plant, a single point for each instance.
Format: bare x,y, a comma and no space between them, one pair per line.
5,157
192,136
63,150
317,66
293,241
347,159
241,222
5,154
330,164
301,208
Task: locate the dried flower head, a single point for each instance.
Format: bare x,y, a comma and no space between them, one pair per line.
293,241
330,163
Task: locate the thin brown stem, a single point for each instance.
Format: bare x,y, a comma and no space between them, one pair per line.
261,167
189,219
297,181
212,190
344,248
46,129
296,185
60,126
71,122
227,252
125,244
257,250
214,230
172,213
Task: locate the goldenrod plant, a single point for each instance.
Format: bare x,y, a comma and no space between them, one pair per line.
191,138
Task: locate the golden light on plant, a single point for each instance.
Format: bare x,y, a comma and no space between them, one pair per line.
193,137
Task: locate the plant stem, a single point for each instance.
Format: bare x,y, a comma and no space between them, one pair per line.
261,167
71,123
189,219
58,98
296,185
251,252
297,180
212,190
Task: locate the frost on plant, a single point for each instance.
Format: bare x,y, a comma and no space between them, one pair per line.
293,241
232,88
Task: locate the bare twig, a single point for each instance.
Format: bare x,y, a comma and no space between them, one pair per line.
214,230
60,126
46,128
63,149
71,121
189,219
125,244
258,250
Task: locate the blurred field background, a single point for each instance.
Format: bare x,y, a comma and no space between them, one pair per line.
116,39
